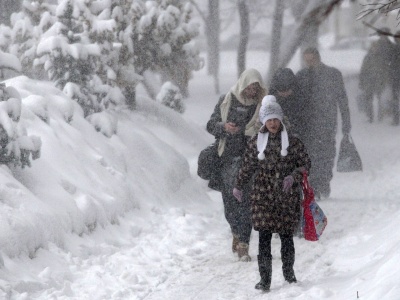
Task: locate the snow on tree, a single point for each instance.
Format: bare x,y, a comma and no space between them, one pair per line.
163,41
23,44
68,56
8,62
105,122
38,105
126,13
171,97
5,37
97,51
102,32
26,28
16,147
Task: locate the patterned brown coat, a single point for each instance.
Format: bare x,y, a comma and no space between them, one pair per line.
272,209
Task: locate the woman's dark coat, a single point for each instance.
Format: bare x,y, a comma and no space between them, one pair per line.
272,209
235,143
238,114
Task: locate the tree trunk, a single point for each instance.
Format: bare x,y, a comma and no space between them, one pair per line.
275,38
310,37
130,96
213,45
244,35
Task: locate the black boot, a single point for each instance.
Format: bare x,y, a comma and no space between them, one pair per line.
288,273
287,268
265,268
288,256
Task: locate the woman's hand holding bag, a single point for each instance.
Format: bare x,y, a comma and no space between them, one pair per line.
238,194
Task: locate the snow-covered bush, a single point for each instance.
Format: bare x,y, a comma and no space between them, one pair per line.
104,122
38,105
163,41
16,147
9,65
126,14
171,97
68,56
87,48
26,28
62,107
102,32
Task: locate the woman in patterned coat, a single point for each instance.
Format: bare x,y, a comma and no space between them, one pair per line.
278,160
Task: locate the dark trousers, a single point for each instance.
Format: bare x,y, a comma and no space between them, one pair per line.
287,248
396,104
238,214
322,152
369,105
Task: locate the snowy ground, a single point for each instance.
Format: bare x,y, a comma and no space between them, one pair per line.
127,217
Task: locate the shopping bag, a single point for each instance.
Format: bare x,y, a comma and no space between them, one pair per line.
314,220
348,160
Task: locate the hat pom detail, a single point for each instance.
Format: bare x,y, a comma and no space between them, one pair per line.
284,152
268,100
261,156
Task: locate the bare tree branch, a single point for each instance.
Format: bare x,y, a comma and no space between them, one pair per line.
382,8
381,32
201,13
316,14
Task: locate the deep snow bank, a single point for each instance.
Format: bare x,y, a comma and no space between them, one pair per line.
84,179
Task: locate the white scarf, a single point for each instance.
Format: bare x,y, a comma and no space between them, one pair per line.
248,77
262,141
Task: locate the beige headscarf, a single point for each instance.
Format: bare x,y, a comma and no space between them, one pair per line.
248,77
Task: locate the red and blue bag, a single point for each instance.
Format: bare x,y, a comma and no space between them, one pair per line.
314,220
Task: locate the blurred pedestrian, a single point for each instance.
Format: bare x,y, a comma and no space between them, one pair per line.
233,122
285,88
374,75
324,93
395,78
278,160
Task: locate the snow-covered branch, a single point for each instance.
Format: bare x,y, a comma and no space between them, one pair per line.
380,31
382,8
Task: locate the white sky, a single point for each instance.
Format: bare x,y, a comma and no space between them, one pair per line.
126,217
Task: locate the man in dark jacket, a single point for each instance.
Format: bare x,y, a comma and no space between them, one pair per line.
286,90
324,93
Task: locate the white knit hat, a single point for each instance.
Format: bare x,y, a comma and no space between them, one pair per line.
270,109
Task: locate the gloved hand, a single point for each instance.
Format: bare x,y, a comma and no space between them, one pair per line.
288,183
238,194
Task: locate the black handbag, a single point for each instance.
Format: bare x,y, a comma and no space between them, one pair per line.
209,166
348,160
208,159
